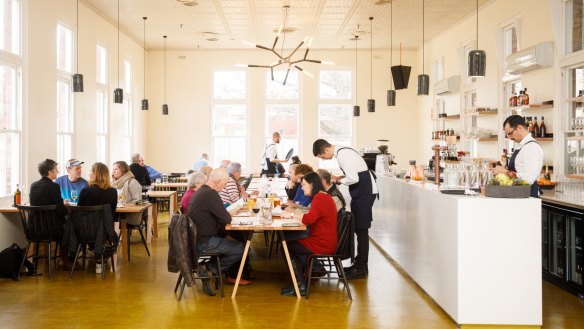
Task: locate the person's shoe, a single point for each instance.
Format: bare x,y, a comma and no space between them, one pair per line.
356,273
242,281
98,268
205,275
289,291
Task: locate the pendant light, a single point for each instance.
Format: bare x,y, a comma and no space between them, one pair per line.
356,108
423,79
391,93
118,92
77,77
477,59
145,100
371,101
165,106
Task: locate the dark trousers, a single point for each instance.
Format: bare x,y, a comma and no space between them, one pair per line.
231,251
298,253
362,258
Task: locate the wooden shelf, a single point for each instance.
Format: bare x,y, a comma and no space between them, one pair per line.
575,176
451,117
486,114
545,139
575,138
488,139
579,99
532,107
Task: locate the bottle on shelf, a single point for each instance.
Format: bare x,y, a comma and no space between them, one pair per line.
542,128
513,100
17,196
525,97
520,98
536,131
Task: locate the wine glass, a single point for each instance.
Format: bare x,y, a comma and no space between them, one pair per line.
74,196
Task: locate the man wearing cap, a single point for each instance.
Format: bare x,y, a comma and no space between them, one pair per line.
72,181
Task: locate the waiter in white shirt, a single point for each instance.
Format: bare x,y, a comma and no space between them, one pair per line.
527,159
270,158
362,189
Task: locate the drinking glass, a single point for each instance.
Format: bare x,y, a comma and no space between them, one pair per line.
74,196
250,204
120,196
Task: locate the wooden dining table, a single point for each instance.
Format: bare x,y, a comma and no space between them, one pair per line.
154,196
243,216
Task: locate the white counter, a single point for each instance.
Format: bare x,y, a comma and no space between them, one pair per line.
478,258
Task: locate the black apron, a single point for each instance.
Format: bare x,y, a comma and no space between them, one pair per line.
535,191
362,198
272,167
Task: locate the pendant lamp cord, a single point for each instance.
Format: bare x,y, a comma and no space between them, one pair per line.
423,35
118,43
477,24
165,69
391,40
356,70
77,36
144,55
284,30
371,61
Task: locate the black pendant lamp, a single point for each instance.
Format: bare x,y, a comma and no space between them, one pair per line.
423,79
144,101
391,93
477,59
371,101
77,77
356,108
165,106
118,92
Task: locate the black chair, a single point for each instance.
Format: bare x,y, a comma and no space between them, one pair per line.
41,225
141,227
90,227
203,258
333,263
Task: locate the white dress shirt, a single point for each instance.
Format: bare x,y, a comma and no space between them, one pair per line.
529,160
351,162
270,153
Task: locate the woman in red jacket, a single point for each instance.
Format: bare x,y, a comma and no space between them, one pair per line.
322,222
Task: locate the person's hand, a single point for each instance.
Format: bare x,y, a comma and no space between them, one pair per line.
498,170
336,179
66,202
298,216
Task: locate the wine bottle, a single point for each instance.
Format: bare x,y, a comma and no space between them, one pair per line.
542,129
525,97
536,129
17,196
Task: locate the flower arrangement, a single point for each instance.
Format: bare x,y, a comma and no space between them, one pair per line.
507,180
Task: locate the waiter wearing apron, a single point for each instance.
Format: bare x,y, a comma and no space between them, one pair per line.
270,159
362,189
527,159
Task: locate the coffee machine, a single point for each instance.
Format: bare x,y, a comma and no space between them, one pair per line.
383,163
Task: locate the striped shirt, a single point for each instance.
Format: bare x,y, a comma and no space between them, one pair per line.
230,194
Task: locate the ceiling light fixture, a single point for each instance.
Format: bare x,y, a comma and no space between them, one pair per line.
145,100
165,106
356,108
423,79
118,92
371,101
391,93
281,58
77,77
477,59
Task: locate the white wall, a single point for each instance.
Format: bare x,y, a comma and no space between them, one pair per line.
39,93
176,141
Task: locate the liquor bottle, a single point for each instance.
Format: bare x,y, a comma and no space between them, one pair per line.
542,129
520,98
17,196
536,132
513,100
530,126
525,97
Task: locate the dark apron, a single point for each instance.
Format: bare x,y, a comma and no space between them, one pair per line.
272,167
362,199
535,191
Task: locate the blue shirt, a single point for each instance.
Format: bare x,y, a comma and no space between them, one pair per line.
153,173
302,199
67,186
200,163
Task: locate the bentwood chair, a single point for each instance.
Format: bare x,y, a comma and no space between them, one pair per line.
41,225
92,230
333,263
141,228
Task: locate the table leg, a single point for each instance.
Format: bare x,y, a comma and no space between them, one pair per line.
290,267
174,202
155,217
242,264
124,235
149,226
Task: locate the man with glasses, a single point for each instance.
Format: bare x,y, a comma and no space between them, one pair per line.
527,159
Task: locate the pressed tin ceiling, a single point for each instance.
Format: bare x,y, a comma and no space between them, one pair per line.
225,24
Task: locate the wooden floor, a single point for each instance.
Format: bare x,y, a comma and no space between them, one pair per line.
140,295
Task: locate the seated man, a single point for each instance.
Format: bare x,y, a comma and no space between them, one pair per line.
207,170
332,189
140,172
72,181
208,213
153,173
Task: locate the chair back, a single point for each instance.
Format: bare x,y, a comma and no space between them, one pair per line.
40,223
89,226
345,231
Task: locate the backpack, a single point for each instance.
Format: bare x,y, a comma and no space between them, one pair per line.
10,260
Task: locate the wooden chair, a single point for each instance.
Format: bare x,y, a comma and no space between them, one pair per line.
333,263
218,278
41,225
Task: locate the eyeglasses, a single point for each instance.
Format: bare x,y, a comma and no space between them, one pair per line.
508,134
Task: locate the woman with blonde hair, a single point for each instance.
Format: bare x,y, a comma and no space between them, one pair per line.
123,180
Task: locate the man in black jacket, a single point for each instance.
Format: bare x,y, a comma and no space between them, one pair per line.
45,192
139,170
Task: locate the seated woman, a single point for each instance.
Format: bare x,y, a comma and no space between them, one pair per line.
291,185
130,189
300,199
99,192
332,189
196,180
233,190
322,239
